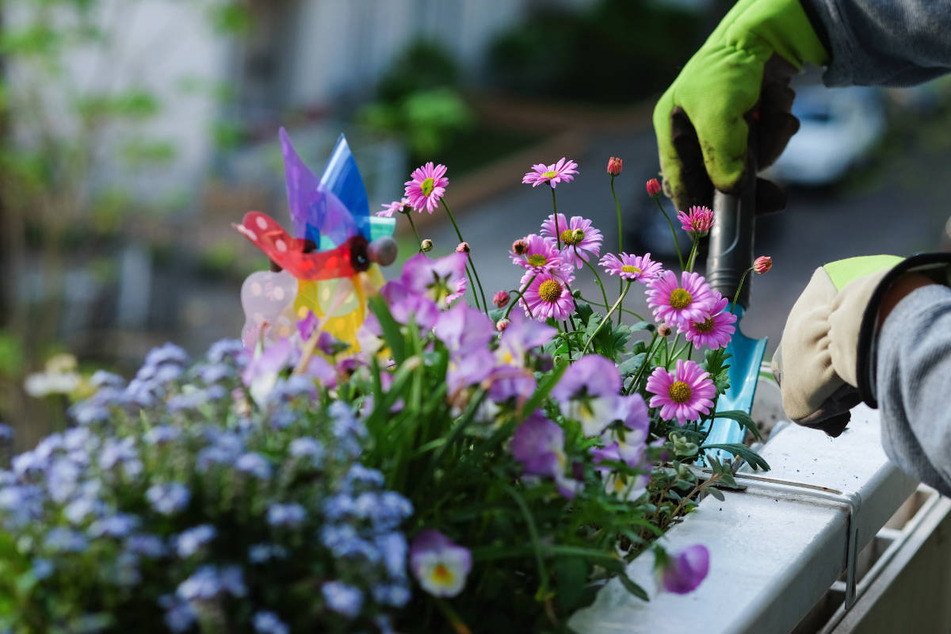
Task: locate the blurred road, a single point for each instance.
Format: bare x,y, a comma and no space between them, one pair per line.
900,208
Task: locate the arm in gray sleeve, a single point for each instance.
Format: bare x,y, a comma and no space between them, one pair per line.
913,385
883,42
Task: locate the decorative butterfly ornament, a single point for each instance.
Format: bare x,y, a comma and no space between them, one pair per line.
330,265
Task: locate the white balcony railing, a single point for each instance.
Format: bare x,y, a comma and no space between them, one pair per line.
778,548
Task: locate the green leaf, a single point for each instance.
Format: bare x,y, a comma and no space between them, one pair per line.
392,334
545,387
571,574
632,587
630,366
744,419
744,452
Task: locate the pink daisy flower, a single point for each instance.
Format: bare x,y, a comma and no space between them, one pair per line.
538,254
713,332
547,295
427,187
579,238
696,221
639,268
563,171
677,303
683,394
394,207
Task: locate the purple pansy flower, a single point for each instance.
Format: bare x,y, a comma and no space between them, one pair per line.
588,392
683,572
439,564
539,444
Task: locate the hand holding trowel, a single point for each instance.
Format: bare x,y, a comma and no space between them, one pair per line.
739,77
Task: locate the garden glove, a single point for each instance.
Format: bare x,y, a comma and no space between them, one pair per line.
825,361
740,74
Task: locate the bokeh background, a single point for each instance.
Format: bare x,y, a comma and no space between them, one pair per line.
134,132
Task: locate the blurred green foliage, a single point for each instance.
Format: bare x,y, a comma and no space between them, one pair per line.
78,158
616,51
11,356
418,100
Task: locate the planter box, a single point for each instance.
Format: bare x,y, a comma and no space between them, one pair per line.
776,548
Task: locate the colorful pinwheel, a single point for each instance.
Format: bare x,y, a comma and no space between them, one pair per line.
327,268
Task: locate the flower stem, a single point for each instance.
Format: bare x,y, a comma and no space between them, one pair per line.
474,296
597,278
606,317
554,206
458,626
470,261
670,351
739,287
620,237
518,296
693,254
568,339
647,362
673,232
419,241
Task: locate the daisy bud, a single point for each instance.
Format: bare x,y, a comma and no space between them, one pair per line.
653,188
663,330
762,264
520,246
615,165
426,245
463,247
502,324
501,299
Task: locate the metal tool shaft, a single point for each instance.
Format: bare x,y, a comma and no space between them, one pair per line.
730,251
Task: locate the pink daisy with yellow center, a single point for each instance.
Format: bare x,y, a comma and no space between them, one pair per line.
713,332
427,187
563,171
675,303
580,239
547,296
537,254
683,394
639,268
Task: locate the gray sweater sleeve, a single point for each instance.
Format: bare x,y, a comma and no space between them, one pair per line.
883,42
913,385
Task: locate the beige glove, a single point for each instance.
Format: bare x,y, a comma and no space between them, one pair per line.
825,360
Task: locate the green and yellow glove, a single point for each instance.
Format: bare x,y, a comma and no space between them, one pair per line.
825,361
702,121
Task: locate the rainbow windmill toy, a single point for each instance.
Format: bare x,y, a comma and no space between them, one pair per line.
326,268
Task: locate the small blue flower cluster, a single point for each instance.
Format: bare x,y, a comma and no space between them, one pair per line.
176,499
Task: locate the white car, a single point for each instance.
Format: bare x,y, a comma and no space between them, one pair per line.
839,129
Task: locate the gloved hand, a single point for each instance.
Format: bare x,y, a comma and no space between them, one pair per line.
825,361
742,72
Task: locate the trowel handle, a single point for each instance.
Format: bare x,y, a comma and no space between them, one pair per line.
730,251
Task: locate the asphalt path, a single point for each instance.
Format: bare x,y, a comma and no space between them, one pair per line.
897,205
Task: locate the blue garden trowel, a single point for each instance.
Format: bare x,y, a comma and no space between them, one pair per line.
730,255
